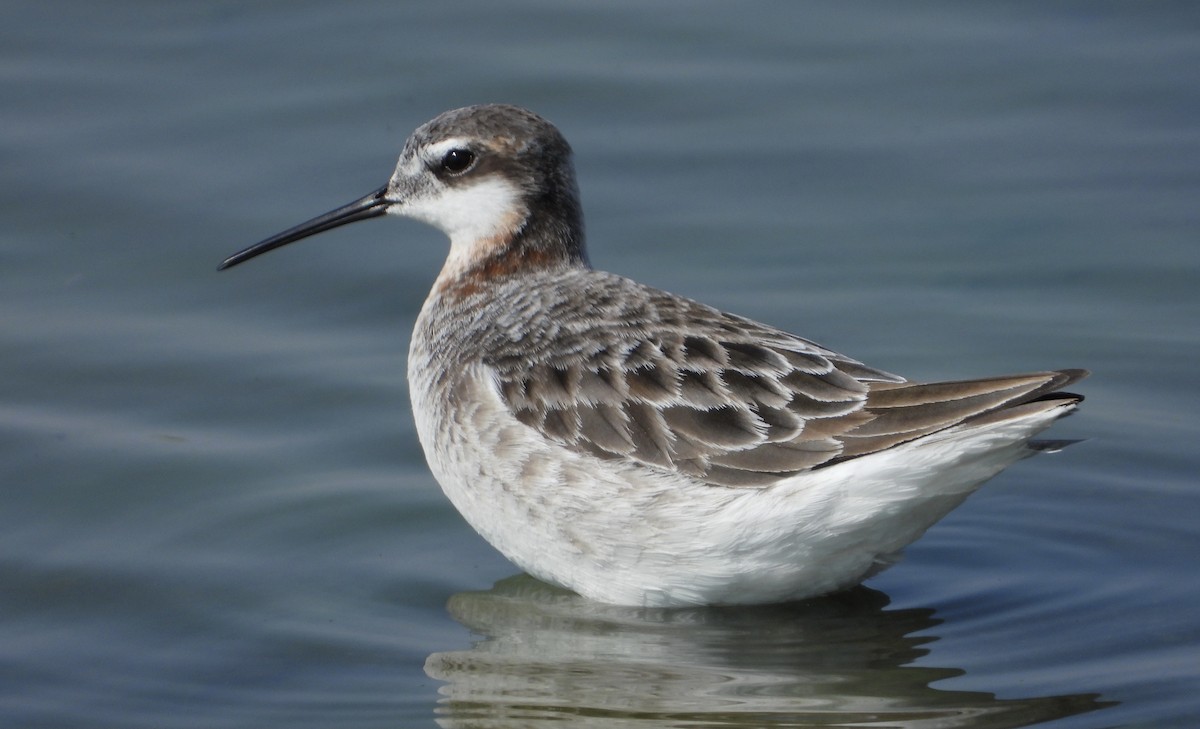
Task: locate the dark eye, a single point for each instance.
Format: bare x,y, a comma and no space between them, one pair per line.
457,160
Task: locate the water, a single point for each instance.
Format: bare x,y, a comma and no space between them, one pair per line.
215,511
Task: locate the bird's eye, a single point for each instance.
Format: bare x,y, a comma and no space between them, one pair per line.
457,160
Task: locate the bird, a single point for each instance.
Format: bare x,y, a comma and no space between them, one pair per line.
641,448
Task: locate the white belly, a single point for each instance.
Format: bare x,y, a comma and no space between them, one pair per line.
623,533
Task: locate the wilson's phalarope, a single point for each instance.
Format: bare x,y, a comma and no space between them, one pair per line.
642,448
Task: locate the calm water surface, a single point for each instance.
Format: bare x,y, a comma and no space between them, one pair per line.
215,512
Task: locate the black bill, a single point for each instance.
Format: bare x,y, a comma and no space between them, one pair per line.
370,206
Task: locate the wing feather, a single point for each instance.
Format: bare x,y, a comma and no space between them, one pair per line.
682,387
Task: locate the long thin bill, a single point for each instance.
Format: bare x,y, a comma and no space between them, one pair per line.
370,206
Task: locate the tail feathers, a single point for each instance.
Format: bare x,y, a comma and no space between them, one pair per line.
905,411
1047,445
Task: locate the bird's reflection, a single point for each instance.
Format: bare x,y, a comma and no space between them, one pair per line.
546,657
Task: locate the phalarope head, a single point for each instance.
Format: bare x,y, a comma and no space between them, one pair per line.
497,179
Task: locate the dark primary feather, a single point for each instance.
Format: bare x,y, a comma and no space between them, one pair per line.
683,387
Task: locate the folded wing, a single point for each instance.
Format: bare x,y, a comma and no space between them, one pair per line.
732,402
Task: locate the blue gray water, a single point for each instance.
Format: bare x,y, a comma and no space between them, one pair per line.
213,508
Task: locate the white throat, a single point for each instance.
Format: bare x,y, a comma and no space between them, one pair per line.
477,217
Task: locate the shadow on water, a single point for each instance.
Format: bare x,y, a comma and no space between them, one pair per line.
547,656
